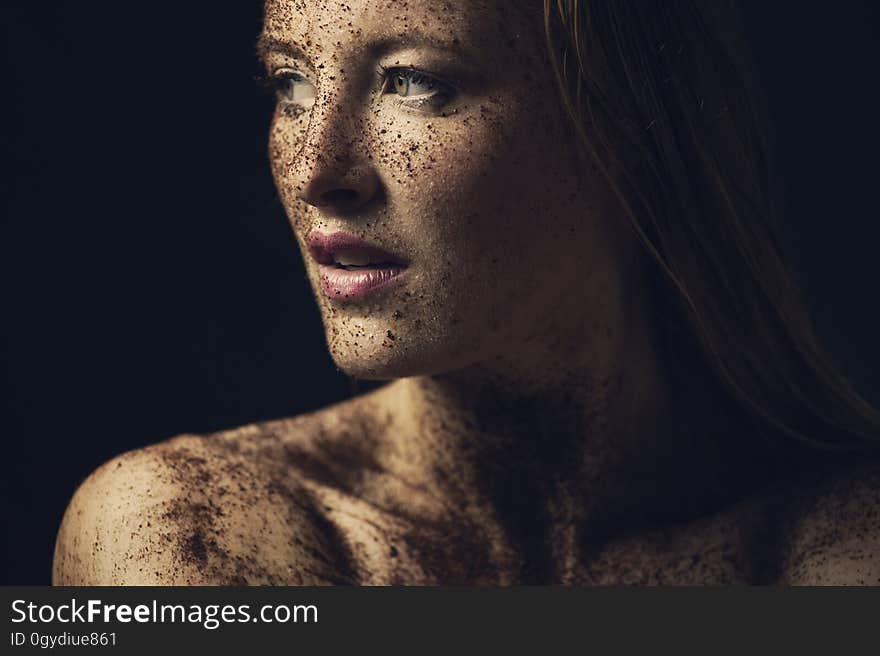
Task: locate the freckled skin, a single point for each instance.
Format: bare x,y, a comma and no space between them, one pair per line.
537,429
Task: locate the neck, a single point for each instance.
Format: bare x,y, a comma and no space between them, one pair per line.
493,440
539,448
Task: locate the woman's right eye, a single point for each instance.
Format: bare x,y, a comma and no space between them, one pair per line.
292,88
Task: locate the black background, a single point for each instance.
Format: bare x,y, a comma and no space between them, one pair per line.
150,283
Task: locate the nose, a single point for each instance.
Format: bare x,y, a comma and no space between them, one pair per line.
343,188
332,170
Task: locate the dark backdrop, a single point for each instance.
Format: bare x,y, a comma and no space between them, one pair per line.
151,286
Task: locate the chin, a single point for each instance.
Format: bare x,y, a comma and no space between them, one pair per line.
377,361
376,355
367,366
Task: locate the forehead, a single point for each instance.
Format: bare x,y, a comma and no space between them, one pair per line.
340,24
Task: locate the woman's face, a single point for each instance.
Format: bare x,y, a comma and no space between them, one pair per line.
423,158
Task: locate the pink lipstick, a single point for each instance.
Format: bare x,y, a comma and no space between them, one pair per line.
351,268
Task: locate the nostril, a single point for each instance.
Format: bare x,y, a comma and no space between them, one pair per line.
343,197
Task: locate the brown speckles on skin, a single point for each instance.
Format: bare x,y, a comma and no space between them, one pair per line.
194,548
194,510
834,530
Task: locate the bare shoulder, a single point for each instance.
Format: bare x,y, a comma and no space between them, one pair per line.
834,530
220,509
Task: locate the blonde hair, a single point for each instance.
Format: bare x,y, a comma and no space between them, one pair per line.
662,95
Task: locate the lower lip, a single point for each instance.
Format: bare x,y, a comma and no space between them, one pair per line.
344,284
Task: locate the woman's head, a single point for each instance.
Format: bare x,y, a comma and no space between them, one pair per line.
435,131
544,177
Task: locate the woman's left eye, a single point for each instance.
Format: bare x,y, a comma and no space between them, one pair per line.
417,87
412,83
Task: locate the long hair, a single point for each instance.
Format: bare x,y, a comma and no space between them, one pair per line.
662,95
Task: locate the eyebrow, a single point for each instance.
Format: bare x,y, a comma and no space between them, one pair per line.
267,44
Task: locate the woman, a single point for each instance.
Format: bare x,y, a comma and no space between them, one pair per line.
551,228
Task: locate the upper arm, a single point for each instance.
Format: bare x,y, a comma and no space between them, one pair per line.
182,513
836,541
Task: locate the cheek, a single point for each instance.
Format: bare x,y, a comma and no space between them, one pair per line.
507,221
286,135
443,173
492,188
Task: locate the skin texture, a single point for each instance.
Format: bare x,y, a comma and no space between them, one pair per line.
536,429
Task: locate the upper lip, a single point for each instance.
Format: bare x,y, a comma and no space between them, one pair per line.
323,247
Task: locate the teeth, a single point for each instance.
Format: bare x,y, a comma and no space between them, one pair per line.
351,258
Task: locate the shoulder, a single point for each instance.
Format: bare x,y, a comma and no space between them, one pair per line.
834,530
221,509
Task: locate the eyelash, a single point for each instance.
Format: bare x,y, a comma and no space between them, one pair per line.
271,82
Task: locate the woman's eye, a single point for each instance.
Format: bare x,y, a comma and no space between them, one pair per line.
416,88
293,88
413,88
411,83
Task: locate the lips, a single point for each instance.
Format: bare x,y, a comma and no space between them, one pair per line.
328,249
350,267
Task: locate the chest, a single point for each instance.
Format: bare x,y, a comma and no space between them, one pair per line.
388,548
